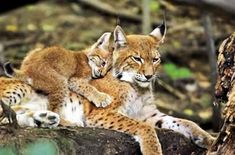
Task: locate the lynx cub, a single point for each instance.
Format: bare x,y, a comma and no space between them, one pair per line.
52,69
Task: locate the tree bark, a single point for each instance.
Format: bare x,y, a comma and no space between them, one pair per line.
88,141
224,143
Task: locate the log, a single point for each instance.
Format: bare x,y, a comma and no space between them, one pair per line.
224,143
228,146
88,141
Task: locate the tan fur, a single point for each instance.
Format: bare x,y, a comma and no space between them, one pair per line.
110,117
50,70
135,54
7,87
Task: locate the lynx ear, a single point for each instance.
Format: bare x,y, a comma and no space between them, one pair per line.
119,37
103,41
159,32
8,69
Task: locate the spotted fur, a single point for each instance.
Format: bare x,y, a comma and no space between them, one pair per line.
55,71
28,105
135,63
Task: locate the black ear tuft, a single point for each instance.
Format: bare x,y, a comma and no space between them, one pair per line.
8,69
162,28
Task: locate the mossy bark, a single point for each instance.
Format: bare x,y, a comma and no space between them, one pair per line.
86,141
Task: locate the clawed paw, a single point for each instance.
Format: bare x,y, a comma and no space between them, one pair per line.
203,142
46,119
198,141
102,100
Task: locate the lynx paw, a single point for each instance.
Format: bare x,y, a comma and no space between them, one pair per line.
46,119
203,142
102,100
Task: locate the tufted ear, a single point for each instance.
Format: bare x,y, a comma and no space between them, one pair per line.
119,37
159,32
8,69
103,41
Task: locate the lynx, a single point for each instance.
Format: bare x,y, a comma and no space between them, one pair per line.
50,69
135,62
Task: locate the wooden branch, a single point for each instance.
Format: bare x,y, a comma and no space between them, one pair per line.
216,116
227,6
91,141
172,90
106,9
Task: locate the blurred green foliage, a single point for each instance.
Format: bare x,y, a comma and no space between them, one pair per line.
7,150
175,72
188,112
154,5
206,100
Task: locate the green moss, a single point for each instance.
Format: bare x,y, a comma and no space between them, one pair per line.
7,150
41,147
65,144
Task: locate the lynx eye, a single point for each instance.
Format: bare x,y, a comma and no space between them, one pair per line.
137,59
103,63
92,58
156,60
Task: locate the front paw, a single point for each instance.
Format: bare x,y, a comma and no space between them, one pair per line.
102,100
203,141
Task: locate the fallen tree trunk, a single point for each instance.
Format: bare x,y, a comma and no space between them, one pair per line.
87,141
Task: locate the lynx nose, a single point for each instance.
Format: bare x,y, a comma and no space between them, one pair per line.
148,76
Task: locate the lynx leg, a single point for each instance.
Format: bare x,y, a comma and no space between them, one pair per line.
188,128
144,133
82,87
56,99
55,85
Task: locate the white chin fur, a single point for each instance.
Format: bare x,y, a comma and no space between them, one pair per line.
127,76
143,84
